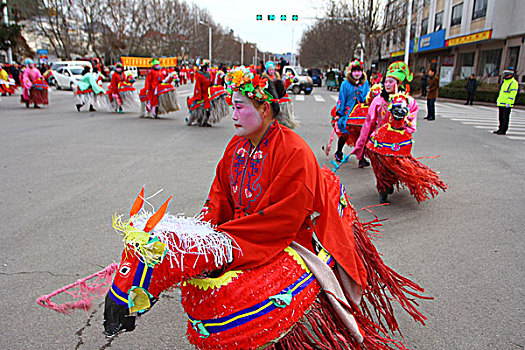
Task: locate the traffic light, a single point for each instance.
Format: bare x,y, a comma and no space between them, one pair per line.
295,18
271,17
283,17
259,17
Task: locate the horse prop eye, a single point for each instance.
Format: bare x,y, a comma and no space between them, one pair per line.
399,112
125,269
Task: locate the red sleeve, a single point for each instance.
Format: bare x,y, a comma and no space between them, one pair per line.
147,84
115,79
198,88
279,216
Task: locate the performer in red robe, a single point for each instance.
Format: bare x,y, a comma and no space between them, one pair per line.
112,91
203,81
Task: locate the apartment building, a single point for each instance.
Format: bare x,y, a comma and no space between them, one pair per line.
458,37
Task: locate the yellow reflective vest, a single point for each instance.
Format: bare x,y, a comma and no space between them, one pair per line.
508,92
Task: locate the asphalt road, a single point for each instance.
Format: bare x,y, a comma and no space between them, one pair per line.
64,174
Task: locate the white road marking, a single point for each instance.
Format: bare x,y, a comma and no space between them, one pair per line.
319,98
299,98
335,97
516,137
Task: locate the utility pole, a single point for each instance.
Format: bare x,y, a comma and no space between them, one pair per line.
407,36
6,21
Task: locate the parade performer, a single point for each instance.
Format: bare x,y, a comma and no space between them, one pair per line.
199,104
143,97
350,113
285,103
112,91
127,92
278,258
34,86
387,137
162,96
7,83
183,75
220,103
88,90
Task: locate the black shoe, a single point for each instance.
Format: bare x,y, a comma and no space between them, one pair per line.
27,104
466,103
426,117
499,132
36,106
383,198
363,163
78,107
207,125
430,119
338,157
390,190
92,109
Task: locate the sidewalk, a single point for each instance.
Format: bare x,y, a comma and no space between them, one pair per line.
462,102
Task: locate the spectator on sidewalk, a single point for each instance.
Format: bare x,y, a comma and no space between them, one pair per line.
472,86
424,83
506,97
432,94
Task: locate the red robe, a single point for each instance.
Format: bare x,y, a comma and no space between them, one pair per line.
202,85
264,198
116,78
153,79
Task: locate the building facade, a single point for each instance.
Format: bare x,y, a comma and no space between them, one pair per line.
458,37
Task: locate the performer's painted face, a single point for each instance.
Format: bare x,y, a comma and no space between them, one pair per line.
271,71
156,67
246,117
356,74
390,85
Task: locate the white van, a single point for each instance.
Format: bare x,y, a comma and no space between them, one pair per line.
55,66
134,71
58,64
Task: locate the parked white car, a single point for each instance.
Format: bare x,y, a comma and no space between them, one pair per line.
67,77
58,64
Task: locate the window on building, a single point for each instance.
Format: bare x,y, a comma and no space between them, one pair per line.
489,62
480,9
457,11
424,26
413,30
438,23
465,64
512,57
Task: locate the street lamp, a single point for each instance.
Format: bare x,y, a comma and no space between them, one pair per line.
209,44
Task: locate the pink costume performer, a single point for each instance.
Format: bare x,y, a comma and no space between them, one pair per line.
34,87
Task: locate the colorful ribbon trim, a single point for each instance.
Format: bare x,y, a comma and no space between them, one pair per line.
393,146
206,327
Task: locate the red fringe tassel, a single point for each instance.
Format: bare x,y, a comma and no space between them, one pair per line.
422,182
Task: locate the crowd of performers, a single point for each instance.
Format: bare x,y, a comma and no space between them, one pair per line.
278,257
378,122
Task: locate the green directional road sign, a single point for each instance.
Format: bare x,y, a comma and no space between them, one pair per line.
295,18
283,17
259,17
271,17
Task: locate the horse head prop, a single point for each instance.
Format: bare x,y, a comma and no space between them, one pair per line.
161,251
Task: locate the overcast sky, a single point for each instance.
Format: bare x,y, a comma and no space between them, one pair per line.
273,36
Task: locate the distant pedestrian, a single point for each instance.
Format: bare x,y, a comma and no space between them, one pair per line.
424,83
506,97
472,86
432,94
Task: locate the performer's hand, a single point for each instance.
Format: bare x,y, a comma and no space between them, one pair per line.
507,105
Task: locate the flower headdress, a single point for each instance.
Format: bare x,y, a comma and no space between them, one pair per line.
355,64
205,62
251,85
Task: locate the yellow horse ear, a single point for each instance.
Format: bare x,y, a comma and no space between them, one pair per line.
137,205
155,218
